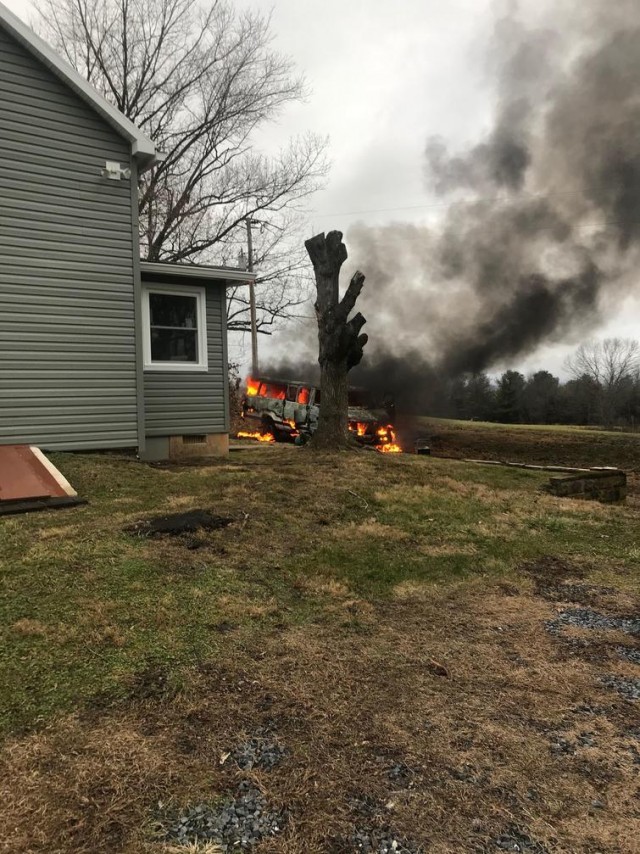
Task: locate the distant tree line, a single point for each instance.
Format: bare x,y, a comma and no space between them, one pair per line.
604,389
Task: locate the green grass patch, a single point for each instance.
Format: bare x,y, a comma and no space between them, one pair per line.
86,607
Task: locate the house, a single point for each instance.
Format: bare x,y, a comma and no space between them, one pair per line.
98,350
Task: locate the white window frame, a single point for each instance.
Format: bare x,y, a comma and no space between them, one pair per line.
201,303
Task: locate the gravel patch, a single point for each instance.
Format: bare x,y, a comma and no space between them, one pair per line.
629,654
235,825
588,709
627,688
363,804
467,773
581,594
261,751
401,776
583,618
381,842
561,746
516,839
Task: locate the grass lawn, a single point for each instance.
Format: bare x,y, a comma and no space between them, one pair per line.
381,618
531,443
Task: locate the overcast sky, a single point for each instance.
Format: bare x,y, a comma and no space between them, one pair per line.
383,78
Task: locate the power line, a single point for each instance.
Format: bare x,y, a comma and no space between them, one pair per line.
438,205
584,227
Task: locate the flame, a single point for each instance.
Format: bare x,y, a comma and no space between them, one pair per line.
252,387
259,437
275,391
385,435
358,427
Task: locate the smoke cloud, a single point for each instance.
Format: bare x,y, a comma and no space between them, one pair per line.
541,222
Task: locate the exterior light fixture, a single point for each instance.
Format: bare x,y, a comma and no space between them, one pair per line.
114,171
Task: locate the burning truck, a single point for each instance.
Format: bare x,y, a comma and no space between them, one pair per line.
284,411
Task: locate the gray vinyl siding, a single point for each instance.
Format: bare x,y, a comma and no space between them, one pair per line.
67,322
180,403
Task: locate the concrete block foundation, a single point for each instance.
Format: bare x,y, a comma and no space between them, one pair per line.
198,447
179,448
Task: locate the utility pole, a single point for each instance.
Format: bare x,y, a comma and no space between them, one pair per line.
252,301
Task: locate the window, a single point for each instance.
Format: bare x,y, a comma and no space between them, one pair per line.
175,333
275,391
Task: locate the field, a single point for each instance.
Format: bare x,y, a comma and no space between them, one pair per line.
530,443
376,650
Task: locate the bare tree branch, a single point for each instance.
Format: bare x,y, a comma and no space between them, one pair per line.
611,365
607,362
200,82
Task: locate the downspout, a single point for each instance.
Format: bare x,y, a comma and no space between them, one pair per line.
225,360
137,296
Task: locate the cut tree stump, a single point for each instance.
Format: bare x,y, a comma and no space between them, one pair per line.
340,340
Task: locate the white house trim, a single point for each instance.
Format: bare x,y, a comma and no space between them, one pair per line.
200,293
229,275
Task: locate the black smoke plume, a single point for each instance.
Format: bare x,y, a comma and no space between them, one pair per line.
541,235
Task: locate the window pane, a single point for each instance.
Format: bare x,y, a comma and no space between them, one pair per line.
174,345
170,310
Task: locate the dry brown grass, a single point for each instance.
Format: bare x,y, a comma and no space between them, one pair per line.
322,586
29,628
441,549
333,610
369,528
193,848
350,700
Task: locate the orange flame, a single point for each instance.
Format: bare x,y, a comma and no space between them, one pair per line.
265,389
386,435
358,427
259,437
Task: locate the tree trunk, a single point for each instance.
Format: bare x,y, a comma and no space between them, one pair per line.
340,341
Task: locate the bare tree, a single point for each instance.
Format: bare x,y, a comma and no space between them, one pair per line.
341,344
200,82
610,364
607,362
283,277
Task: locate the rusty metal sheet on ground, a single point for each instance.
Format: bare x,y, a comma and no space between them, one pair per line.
28,478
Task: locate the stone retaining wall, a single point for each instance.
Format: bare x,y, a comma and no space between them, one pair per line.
606,485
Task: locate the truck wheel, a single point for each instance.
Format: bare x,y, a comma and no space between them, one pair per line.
269,427
279,435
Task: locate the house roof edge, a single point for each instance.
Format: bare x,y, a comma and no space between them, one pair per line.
231,275
142,147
